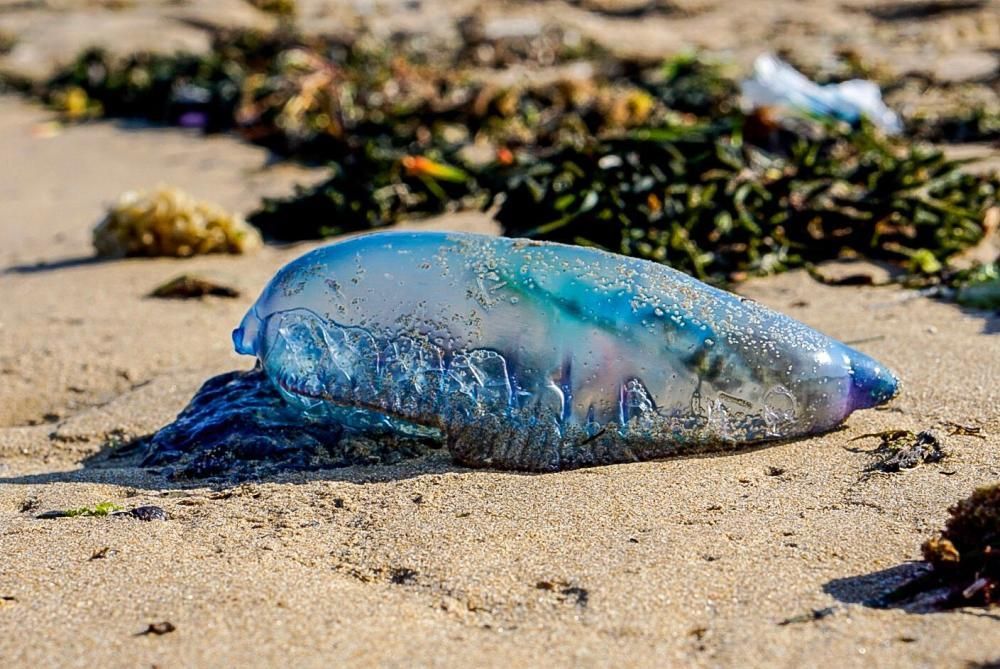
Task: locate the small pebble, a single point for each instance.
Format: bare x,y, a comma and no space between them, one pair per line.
159,629
146,513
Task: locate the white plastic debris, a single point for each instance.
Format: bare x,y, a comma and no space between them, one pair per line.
775,83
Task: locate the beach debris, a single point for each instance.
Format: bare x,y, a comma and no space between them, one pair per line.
402,576
539,356
651,160
144,513
238,427
706,201
169,222
380,174
964,559
73,104
369,189
902,449
987,249
29,504
960,429
105,509
100,509
978,123
158,629
567,592
775,83
577,595
189,286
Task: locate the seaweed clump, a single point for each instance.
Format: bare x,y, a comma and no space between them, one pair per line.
743,196
191,286
966,557
461,140
900,450
657,161
169,222
964,560
184,89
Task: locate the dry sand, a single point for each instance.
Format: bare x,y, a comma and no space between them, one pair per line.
690,561
676,563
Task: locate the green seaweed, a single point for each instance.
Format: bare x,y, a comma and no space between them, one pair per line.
716,202
98,510
652,161
980,288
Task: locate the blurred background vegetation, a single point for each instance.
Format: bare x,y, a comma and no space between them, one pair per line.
560,139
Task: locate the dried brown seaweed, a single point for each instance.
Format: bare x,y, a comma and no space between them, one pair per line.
169,222
964,559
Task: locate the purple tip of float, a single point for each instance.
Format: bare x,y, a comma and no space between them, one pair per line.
873,383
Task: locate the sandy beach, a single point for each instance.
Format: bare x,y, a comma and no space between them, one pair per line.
765,557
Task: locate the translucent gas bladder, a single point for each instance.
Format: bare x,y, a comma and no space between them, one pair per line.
542,356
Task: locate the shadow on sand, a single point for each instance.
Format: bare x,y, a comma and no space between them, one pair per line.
873,589
109,467
910,587
237,428
992,319
65,263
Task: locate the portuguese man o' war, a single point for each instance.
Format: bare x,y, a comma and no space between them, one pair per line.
541,356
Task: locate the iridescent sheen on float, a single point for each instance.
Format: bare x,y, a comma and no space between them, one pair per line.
541,356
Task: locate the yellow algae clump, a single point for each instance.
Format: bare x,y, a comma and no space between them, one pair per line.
169,222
